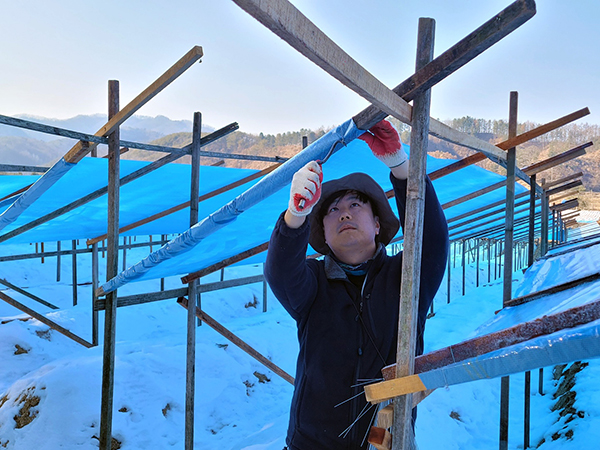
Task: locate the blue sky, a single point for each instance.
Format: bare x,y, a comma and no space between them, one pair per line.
56,58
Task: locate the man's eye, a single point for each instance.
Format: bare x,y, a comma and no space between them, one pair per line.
333,209
355,204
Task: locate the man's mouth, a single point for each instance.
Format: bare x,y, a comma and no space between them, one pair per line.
346,227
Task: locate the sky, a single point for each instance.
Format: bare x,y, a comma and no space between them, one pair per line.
56,58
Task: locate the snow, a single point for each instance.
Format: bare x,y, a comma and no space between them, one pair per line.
234,409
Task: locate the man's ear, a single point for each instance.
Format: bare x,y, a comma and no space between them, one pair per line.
377,225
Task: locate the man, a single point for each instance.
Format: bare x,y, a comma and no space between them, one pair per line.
346,305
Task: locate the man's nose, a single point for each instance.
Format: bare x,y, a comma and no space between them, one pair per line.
345,215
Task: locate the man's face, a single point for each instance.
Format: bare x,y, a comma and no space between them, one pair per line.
350,226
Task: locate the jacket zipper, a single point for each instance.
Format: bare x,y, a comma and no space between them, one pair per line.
355,439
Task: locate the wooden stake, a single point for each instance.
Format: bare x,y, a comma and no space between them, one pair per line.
191,326
413,232
112,269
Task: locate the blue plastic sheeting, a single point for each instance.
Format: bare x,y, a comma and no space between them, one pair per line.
569,344
32,194
155,192
13,183
575,344
169,186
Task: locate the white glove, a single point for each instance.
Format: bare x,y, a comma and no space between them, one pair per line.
384,143
306,189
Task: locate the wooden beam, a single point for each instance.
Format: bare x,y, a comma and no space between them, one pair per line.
226,262
21,168
574,176
557,160
181,206
566,205
475,194
11,301
543,129
552,290
78,152
566,187
292,26
208,320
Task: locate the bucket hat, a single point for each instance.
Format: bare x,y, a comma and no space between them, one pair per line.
363,183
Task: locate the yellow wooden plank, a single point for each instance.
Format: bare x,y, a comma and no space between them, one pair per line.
79,151
386,390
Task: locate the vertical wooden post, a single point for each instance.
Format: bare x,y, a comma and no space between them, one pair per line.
57,261
544,233
112,269
42,250
304,141
449,278
508,253
464,266
192,292
527,410
403,436
489,259
74,271
531,220
124,266
95,283
478,242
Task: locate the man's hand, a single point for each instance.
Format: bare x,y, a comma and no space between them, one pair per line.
384,142
306,189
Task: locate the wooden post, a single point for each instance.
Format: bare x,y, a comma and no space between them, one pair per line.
477,263
449,278
192,288
95,283
124,252
112,269
544,232
508,254
464,265
403,435
531,220
74,271
57,261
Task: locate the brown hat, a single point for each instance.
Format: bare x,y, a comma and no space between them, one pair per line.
363,183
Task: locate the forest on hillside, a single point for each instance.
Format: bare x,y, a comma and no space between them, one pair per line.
494,131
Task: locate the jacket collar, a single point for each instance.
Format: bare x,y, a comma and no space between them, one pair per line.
334,272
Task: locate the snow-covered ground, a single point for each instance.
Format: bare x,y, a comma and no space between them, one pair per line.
50,386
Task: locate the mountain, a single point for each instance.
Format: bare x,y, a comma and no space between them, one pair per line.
22,146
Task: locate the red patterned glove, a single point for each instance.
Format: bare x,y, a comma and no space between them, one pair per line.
384,142
306,189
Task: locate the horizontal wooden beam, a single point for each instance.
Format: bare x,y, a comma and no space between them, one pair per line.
552,290
139,299
554,161
226,262
11,301
181,206
550,184
20,168
479,346
237,341
475,194
571,204
566,187
78,151
543,129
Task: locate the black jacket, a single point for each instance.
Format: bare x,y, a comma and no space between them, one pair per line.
346,334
